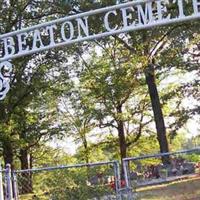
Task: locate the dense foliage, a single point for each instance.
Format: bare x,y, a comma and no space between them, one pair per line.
105,94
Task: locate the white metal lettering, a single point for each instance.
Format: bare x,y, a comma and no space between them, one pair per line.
130,16
135,15
37,40
22,37
180,8
106,20
146,16
126,16
162,9
83,26
196,6
9,48
70,29
51,29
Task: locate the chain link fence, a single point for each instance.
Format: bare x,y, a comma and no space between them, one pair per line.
102,181
76,182
7,184
150,171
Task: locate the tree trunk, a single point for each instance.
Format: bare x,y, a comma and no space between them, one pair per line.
8,152
85,144
121,135
157,110
26,177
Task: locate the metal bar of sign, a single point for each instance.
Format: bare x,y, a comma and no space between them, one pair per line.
76,28
131,16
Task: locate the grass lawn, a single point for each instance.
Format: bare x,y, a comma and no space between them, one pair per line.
181,190
32,197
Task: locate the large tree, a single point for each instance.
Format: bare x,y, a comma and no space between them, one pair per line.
34,78
111,85
159,53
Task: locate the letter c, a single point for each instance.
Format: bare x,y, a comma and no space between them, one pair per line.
106,21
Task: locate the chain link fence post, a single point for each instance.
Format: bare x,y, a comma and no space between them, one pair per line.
117,180
1,184
128,189
8,181
15,186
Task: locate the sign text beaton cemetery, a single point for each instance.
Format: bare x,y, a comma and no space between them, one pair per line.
134,15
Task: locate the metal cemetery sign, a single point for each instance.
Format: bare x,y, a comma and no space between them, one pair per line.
134,15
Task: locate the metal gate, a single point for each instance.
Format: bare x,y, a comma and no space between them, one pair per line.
99,181
94,181
145,174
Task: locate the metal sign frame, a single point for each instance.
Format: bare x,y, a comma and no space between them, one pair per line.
76,28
